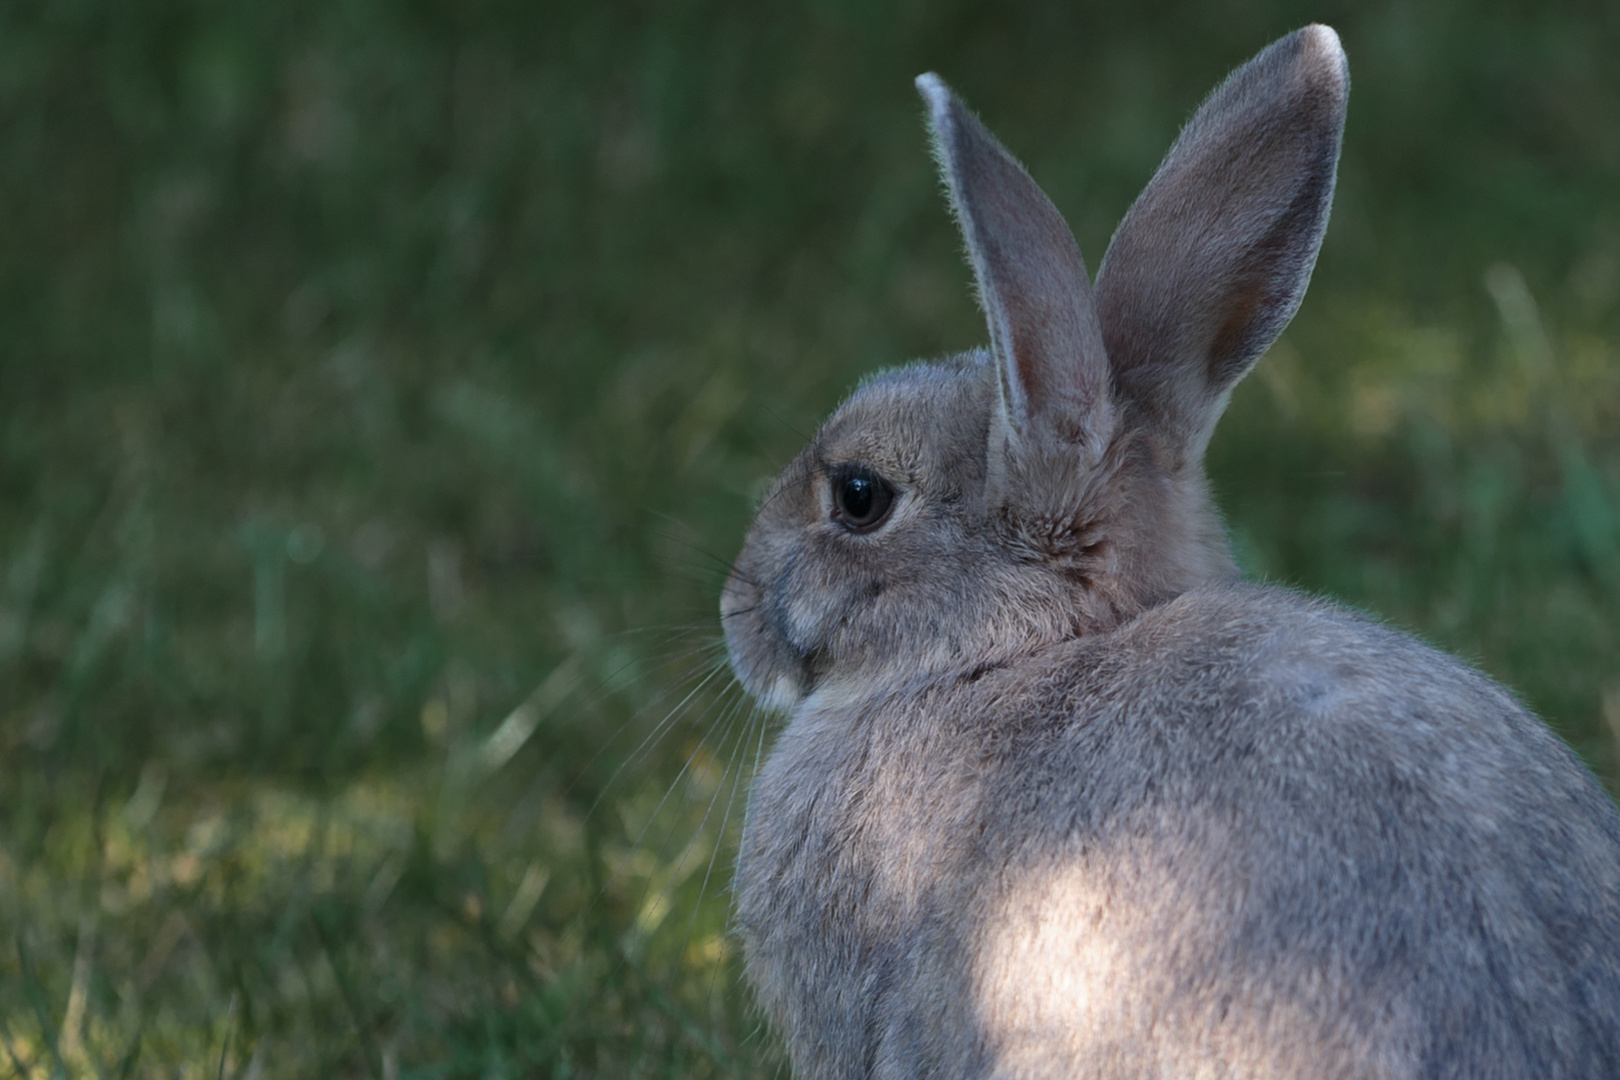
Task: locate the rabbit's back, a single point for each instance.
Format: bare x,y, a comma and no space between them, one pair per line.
1244,834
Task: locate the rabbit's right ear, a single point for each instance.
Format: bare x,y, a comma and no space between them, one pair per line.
1056,413
1212,260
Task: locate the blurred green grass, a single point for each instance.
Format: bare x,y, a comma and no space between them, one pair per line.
386,386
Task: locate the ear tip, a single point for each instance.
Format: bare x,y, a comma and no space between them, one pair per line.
1322,38
1322,54
935,94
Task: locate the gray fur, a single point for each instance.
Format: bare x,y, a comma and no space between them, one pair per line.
1057,797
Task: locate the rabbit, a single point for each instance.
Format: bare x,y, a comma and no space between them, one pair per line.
1057,795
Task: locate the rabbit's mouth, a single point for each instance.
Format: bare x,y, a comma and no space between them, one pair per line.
814,664
798,668
783,694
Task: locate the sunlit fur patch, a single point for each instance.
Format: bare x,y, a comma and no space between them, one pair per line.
1107,967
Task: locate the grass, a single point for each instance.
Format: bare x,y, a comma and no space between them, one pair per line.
385,387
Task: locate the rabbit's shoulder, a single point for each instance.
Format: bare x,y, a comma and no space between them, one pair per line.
1260,679
1312,739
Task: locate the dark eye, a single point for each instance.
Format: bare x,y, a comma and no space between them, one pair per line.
861,501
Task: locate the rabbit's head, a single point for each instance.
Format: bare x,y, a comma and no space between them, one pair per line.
953,513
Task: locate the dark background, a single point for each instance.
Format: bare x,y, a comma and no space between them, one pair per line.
385,386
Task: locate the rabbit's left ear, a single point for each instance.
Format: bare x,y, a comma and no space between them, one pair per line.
1033,288
1214,256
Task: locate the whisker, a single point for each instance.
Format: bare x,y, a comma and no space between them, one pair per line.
762,717
708,576
675,875
788,484
653,737
672,520
803,438
725,819
655,658
653,816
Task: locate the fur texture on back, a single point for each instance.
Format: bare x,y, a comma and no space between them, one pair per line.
1057,796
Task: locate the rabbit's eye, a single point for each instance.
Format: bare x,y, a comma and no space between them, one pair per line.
861,501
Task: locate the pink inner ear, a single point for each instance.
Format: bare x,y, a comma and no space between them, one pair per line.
1245,305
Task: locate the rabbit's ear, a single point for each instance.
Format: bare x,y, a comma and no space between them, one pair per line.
1032,285
1213,259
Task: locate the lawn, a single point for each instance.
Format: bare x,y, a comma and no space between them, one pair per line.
385,387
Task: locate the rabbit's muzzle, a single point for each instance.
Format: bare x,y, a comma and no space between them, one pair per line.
773,662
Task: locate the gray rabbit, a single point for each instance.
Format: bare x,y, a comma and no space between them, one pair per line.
1057,795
